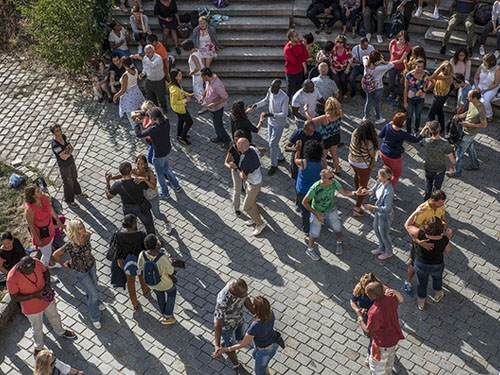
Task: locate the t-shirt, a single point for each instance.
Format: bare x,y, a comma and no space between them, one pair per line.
161,50
428,212
118,71
358,53
435,154
28,284
397,53
117,39
81,256
300,135
250,165
383,322
245,125
263,332
130,192
301,98
475,115
377,73
416,86
12,257
229,308
392,146
323,197
57,148
434,256
130,243
165,269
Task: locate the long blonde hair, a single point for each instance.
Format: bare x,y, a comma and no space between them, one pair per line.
147,105
43,363
448,71
366,279
72,230
333,108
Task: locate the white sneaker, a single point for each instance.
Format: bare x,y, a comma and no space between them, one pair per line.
380,121
436,13
258,229
54,279
369,36
101,307
249,223
364,118
380,40
97,325
139,50
481,50
419,11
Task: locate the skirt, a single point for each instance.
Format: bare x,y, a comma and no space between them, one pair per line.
131,100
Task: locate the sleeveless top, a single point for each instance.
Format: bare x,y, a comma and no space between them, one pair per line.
442,88
487,77
330,129
308,176
192,65
43,218
150,193
132,79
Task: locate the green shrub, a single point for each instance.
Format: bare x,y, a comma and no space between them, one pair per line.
68,33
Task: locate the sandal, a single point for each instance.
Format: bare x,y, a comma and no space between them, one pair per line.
436,300
358,213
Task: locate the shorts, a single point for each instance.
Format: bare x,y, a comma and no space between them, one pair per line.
332,221
412,254
231,338
334,140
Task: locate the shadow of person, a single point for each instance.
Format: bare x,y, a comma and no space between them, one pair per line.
94,219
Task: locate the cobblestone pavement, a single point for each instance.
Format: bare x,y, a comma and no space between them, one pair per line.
311,299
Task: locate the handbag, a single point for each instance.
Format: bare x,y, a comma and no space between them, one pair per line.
44,231
183,31
113,248
279,340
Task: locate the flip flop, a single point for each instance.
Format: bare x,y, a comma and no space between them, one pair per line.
437,299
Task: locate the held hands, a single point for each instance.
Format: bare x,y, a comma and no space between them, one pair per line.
218,352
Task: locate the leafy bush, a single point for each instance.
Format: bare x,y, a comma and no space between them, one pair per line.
68,33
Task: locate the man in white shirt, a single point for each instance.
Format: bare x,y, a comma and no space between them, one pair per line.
152,69
358,52
309,95
277,104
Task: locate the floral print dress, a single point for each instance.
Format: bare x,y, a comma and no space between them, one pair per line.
207,48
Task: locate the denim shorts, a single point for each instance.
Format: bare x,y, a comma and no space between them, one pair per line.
231,338
332,221
263,357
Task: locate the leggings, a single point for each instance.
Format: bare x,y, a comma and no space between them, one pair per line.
396,166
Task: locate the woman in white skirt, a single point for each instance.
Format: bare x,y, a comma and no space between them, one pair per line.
130,95
195,62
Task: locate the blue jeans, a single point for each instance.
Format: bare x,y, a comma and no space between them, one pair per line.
373,99
415,107
231,338
122,52
306,215
151,154
467,144
162,168
88,281
140,37
155,208
434,181
355,72
275,152
423,271
166,307
382,228
263,357
221,133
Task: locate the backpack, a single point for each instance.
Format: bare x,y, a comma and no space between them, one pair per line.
453,133
397,24
483,14
368,83
15,180
151,273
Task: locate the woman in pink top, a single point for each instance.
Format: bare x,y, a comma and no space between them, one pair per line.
461,62
39,216
341,60
399,48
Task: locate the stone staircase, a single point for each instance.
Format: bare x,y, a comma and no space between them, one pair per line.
255,34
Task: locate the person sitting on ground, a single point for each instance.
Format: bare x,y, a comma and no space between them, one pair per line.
46,363
205,40
118,38
327,7
487,81
461,63
462,13
492,27
364,48
100,81
11,252
139,23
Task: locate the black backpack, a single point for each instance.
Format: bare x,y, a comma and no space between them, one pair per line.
397,24
483,14
454,133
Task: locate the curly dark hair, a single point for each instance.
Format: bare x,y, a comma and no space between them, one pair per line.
366,132
238,110
313,150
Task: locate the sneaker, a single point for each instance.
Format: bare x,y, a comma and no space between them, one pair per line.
369,37
164,196
70,335
339,248
471,168
442,51
249,223
54,279
97,325
139,50
168,228
419,11
388,99
101,307
377,251
436,13
178,189
481,50
408,288
258,229
312,254
168,321
272,171
380,40
453,174
384,256
73,205
380,121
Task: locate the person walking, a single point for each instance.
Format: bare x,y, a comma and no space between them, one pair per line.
178,100
132,195
228,318
320,201
159,132
214,98
383,327
163,285
154,72
63,150
251,175
130,96
276,102
362,155
436,150
429,263
83,264
28,283
262,332
295,56
417,81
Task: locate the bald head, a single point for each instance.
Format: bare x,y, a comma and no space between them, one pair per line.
243,145
323,69
374,290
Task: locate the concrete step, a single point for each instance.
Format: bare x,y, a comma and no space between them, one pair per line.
271,69
245,54
240,85
436,35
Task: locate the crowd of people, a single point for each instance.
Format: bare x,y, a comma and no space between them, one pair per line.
317,85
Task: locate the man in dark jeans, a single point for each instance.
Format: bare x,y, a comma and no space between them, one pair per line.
295,56
132,195
331,7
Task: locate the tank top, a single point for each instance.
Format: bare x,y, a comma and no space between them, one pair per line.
487,77
132,79
441,88
308,176
330,129
192,65
43,218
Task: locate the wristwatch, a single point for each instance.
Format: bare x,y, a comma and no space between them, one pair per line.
360,318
